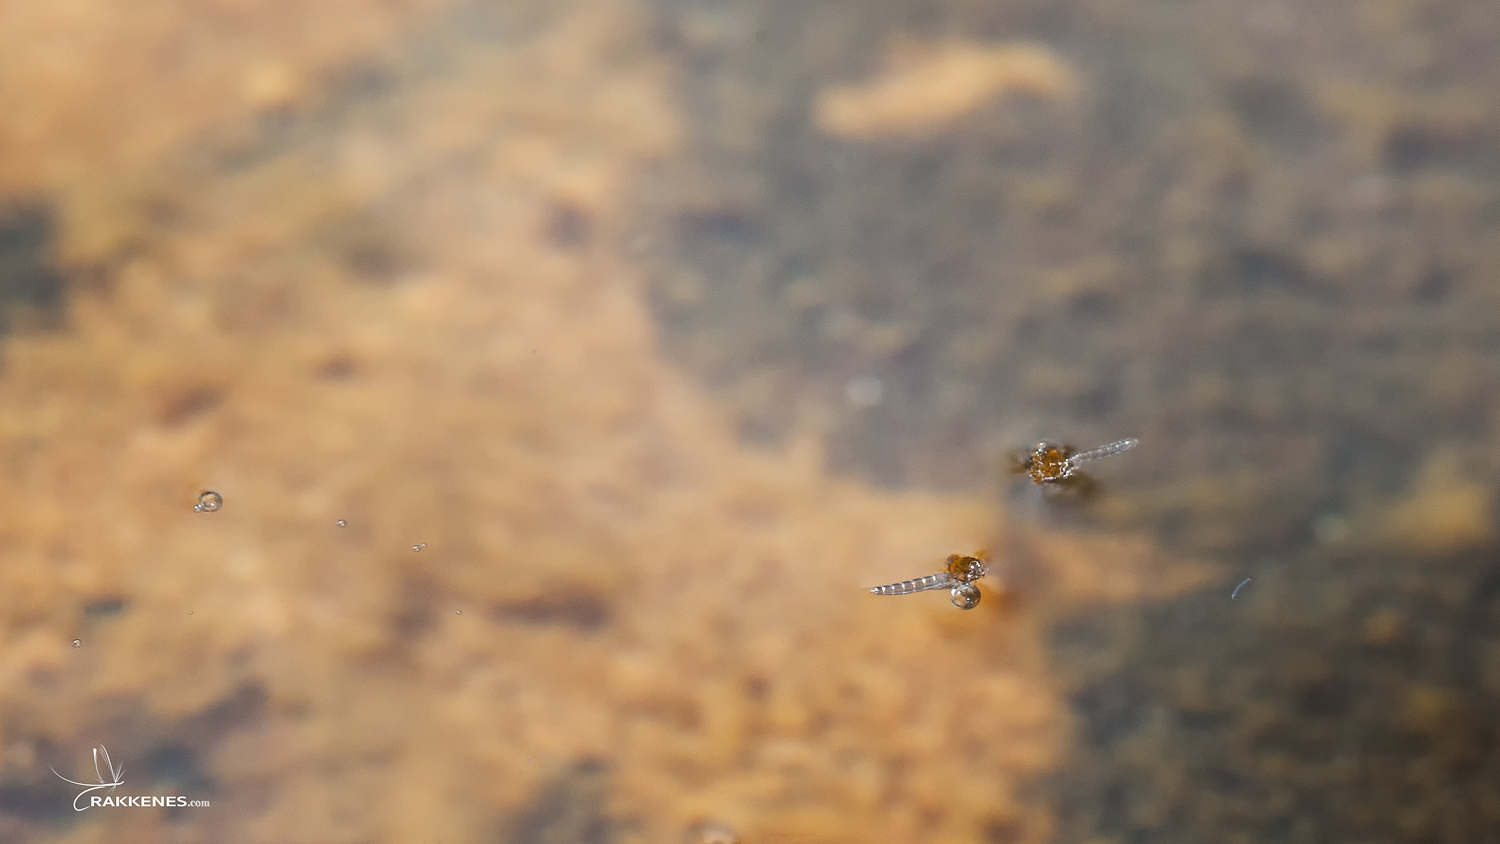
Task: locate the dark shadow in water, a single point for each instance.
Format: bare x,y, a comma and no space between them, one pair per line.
1283,715
1279,289
569,810
29,282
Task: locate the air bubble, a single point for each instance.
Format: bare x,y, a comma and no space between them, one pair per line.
458,612
77,643
343,523
208,502
965,596
418,547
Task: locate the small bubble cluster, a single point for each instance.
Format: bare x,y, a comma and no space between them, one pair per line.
418,547
208,502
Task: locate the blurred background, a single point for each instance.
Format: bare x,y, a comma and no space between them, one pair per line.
569,370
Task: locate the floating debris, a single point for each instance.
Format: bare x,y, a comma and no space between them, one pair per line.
1236,592
962,571
208,502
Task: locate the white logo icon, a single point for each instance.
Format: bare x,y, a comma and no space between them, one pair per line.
116,777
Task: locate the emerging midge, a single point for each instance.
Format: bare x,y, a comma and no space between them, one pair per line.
962,571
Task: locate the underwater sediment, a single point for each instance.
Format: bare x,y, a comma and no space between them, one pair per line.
381,300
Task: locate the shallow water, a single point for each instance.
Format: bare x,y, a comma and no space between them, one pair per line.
665,330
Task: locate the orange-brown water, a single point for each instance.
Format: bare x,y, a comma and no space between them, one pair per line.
480,546
547,358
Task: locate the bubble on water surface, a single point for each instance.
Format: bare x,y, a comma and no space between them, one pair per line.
418,547
965,596
208,502
343,523
77,643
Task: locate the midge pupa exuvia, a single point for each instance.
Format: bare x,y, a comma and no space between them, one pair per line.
1058,464
962,571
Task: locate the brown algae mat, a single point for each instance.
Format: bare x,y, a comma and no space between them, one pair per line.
486,567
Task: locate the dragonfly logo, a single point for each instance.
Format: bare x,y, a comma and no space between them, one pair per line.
116,778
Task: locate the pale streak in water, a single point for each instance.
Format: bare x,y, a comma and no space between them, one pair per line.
1236,592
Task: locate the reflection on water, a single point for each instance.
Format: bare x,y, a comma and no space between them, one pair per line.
673,326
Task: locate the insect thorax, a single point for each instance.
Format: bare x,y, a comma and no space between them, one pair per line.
1048,463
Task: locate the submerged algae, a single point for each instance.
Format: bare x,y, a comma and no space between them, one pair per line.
379,316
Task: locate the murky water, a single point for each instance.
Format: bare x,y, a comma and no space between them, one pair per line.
674,327
1259,238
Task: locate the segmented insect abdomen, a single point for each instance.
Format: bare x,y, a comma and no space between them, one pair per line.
1104,450
920,584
